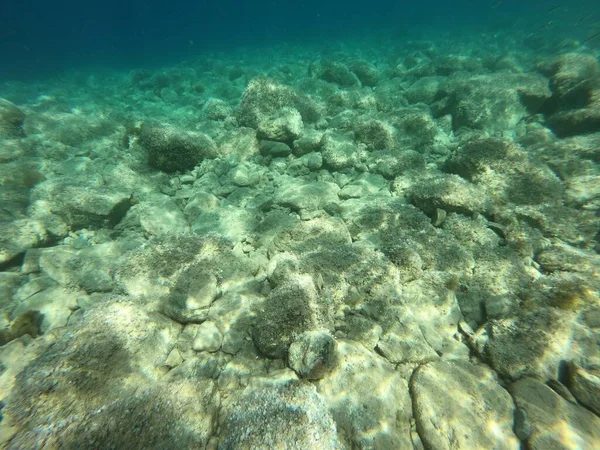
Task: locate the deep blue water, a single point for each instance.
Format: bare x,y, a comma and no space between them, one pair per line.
40,36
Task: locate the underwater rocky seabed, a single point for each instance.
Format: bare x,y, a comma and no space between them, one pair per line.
376,247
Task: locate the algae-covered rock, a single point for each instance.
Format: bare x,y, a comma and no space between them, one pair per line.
366,72
450,193
104,381
11,120
333,72
265,97
285,125
291,308
171,149
278,412
312,354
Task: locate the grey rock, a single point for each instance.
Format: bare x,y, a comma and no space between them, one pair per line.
450,193
456,401
368,399
11,120
110,371
366,72
82,205
216,109
310,141
278,412
208,338
312,354
551,416
405,343
333,72
289,310
264,97
20,235
585,386
274,148
170,149
284,126
300,195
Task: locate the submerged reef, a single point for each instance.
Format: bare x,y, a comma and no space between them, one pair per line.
385,247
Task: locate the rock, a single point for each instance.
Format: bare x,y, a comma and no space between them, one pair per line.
562,257
585,386
34,286
195,290
278,412
425,90
208,338
144,270
265,97
289,310
55,305
11,120
156,214
243,175
82,205
339,153
284,126
496,102
553,419
368,400
216,109
478,156
301,195
450,193
333,72
18,236
312,354
568,74
170,149
460,405
376,134
405,343
310,141
576,121
9,283
27,324
524,347
108,387
366,72
274,148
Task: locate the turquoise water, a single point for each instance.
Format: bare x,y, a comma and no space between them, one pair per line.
265,225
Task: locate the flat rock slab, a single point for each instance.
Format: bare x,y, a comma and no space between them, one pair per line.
368,400
460,405
554,423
